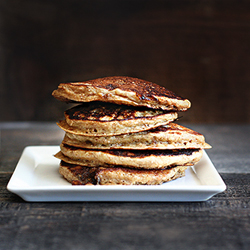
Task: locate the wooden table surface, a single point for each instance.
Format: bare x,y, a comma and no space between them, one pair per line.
223,222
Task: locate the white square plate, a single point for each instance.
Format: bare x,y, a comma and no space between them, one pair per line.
36,178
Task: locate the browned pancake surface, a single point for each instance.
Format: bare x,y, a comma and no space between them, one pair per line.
145,90
122,90
99,119
103,112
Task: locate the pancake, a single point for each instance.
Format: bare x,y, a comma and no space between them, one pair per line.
171,136
122,90
105,119
147,159
79,175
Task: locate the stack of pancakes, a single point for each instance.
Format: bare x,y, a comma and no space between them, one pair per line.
122,133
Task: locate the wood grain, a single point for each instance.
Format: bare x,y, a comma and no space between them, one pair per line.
198,49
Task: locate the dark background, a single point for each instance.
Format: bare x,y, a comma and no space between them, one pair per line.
198,49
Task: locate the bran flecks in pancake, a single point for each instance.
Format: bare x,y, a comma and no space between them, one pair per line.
122,90
80,175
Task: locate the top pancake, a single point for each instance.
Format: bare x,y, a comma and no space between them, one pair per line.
122,90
